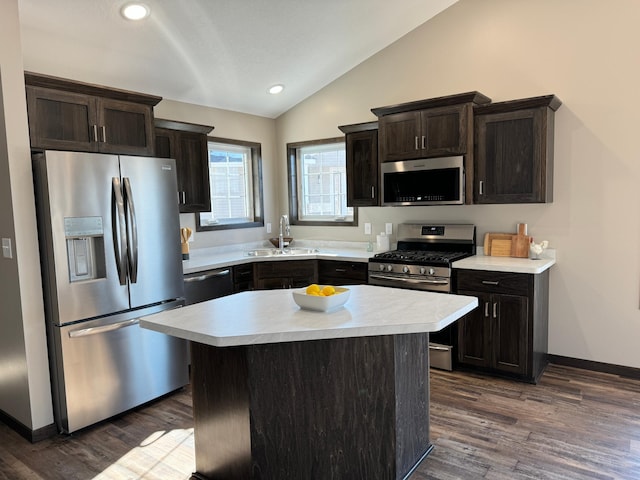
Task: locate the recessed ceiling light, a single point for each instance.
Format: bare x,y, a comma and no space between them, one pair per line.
135,11
276,89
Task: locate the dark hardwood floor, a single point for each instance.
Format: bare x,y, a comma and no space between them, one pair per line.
575,424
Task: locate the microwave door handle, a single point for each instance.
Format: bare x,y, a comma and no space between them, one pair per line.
118,222
132,231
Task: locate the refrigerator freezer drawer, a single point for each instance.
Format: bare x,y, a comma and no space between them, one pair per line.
109,368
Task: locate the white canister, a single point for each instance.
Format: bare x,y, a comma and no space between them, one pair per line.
382,242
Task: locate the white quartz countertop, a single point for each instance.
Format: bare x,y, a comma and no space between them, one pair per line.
212,258
208,259
507,264
272,316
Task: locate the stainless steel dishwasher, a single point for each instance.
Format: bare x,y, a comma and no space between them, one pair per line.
207,285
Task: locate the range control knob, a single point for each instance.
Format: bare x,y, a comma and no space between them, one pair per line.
432,271
423,270
405,269
382,267
389,268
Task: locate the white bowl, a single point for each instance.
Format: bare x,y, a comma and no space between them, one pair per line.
318,303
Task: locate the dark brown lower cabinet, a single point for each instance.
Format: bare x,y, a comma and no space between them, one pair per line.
287,274
508,332
337,272
243,277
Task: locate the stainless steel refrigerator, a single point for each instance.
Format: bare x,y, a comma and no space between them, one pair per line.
110,253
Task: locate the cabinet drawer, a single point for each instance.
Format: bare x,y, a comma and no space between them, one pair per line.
495,282
288,268
243,273
342,270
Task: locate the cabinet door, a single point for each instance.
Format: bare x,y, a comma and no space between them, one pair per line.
510,158
399,136
474,333
362,168
335,272
125,127
61,120
510,333
285,274
193,173
443,131
166,143
243,278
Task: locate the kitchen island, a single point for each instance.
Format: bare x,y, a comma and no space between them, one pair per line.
280,392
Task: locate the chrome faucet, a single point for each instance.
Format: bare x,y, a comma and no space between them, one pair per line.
285,229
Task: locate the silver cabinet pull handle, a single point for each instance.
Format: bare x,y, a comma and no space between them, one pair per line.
95,133
373,191
486,309
495,309
417,143
481,187
490,282
104,134
424,142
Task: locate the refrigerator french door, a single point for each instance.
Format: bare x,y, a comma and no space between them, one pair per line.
110,251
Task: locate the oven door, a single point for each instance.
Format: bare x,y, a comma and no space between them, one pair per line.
429,181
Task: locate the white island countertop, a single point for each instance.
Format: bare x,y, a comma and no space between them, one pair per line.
272,316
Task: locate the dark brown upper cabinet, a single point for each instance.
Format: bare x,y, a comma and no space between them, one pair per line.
361,148
76,116
427,128
514,151
187,144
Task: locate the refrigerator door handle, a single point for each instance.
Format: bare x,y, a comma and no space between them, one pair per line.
132,231
118,221
106,328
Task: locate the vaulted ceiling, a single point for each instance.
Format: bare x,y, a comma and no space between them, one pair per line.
217,53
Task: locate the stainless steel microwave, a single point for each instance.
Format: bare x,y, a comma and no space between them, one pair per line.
427,181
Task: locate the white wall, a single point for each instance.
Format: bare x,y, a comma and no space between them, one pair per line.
584,52
25,392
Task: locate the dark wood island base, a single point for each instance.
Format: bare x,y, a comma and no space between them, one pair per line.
355,408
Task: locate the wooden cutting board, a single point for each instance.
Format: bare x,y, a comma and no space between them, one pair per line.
520,242
506,245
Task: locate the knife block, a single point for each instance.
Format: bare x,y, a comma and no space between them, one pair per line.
185,250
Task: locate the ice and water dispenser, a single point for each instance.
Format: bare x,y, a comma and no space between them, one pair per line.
85,248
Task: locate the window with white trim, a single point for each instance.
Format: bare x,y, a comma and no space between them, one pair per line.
318,183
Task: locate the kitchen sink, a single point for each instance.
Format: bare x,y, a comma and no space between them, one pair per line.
274,252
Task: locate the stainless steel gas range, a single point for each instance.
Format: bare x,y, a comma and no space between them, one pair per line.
422,261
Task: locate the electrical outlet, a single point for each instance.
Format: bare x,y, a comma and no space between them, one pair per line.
367,229
268,228
388,228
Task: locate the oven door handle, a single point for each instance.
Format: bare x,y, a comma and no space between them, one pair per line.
409,280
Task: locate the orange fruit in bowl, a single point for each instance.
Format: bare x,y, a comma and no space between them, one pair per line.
313,289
